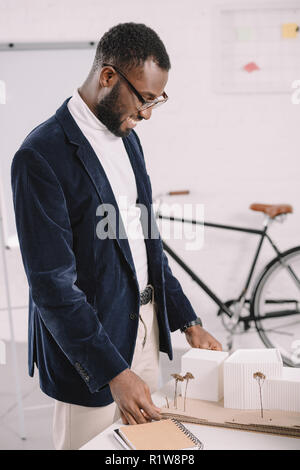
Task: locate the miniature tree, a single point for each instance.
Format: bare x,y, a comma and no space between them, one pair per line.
187,377
260,378
178,378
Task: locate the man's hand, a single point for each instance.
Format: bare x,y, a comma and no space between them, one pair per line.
133,398
198,337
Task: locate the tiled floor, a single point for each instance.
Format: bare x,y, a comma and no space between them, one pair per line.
38,408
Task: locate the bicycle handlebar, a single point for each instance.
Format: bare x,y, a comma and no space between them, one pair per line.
158,199
177,193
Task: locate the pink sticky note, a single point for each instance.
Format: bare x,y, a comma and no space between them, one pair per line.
251,67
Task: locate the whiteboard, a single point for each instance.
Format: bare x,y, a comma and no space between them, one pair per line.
37,82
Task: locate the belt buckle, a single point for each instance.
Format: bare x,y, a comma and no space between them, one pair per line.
145,295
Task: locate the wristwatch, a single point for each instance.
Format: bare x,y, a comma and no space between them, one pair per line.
197,321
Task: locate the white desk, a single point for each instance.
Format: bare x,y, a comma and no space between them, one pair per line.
213,438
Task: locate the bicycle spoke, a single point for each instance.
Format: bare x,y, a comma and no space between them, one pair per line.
276,305
277,314
274,330
281,301
284,326
292,274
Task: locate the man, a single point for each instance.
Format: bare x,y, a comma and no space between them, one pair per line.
100,307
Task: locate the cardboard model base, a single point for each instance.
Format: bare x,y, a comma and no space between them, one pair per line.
210,413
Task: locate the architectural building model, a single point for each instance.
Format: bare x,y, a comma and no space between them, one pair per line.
237,378
207,369
283,393
241,390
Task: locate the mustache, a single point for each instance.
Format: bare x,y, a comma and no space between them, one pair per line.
137,118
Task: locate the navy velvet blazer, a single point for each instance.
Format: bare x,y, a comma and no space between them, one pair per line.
83,291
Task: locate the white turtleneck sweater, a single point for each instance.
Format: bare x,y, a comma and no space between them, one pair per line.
114,159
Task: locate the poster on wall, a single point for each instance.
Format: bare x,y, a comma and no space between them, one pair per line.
256,48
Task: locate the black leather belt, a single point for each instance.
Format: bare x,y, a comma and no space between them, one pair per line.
146,295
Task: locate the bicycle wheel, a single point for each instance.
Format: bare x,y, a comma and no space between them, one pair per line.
275,305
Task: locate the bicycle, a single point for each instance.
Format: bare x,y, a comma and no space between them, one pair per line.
273,306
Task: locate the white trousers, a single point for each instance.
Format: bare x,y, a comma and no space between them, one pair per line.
74,425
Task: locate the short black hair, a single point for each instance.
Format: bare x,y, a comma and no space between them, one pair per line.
129,45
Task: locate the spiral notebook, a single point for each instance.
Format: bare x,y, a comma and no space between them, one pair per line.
167,434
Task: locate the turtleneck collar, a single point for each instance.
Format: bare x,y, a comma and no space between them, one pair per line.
84,115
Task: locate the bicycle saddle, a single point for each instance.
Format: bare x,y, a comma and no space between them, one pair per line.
272,210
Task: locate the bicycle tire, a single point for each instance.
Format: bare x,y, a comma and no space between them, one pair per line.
287,338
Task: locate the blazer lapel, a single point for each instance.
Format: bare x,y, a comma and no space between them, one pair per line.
139,171
98,177
150,228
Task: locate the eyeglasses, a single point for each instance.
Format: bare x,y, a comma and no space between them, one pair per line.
145,103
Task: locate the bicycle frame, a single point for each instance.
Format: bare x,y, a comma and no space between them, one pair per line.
262,233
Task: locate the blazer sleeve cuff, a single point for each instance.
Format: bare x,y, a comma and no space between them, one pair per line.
98,379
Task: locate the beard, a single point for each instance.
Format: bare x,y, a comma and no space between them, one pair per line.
108,112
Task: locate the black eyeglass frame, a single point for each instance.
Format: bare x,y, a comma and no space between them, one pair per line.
145,103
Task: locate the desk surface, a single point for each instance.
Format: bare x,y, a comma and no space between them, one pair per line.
213,438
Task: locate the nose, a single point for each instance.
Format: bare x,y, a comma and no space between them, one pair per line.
146,113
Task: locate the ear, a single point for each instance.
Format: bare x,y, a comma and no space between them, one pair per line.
107,77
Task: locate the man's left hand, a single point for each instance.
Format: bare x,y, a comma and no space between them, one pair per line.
198,337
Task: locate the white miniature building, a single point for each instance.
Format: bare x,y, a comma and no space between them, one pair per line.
241,390
207,369
283,393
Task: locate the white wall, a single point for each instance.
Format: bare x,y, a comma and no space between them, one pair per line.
231,150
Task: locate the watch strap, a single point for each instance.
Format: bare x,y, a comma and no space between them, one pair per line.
197,321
